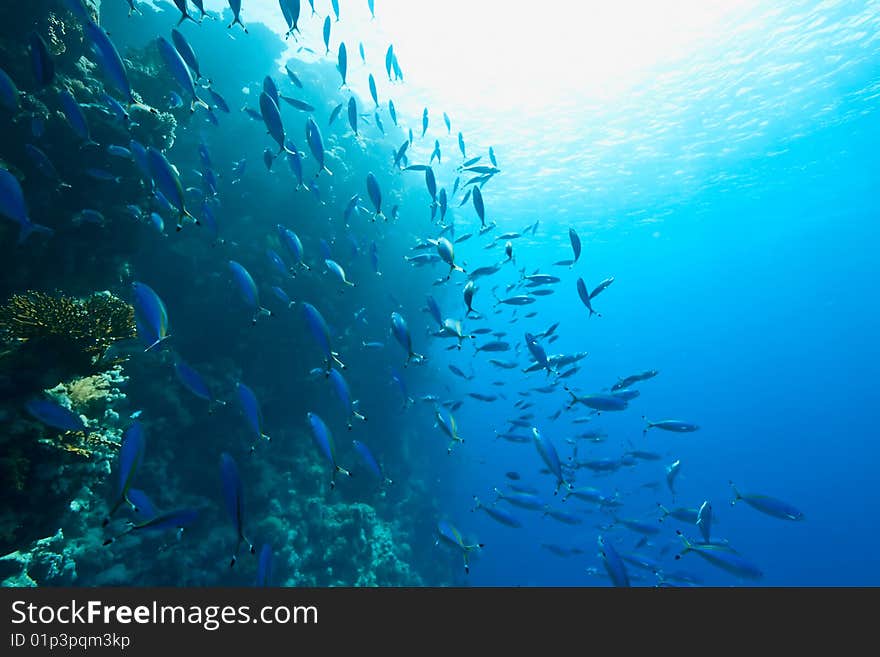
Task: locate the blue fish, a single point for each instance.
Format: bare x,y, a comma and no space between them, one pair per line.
42,64
424,121
12,206
400,382
180,72
342,62
374,258
281,295
75,117
723,557
277,263
294,161
373,93
375,194
340,386
326,32
353,114
185,50
233,496
389,58
200,5
316,145
111,63
371,5
264,566
434,310
324,440
550,457
293,245
290,9
252,412
150,315
431,184
141,160
361,51
52,414
392,111
335,5
8,92
210,221
157,221
350,209
498,515
298,104
584,294
142,505
461,145
176,519
401,333
184,14
614,565
174,100
575,244
293,78
450,535
272,118
119,151
370,461
271,89
335,113
44,164
379,122
321,333
194,382
479,206
168,182
235,6
131,455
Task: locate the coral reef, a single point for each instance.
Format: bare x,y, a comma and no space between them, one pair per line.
54,338
47,474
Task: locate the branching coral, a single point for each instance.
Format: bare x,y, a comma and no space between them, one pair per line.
88,326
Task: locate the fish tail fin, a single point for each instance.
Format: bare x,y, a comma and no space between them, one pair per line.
265,437
648,425
687,544
736,495
186,16
30,228
663,510
237,20
135,104
157,342
342,470
113,539
198,101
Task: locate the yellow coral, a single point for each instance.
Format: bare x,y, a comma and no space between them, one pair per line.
86,390
89,325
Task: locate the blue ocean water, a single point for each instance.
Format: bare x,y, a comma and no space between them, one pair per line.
729,190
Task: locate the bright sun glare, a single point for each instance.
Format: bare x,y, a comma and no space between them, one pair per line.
469,55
